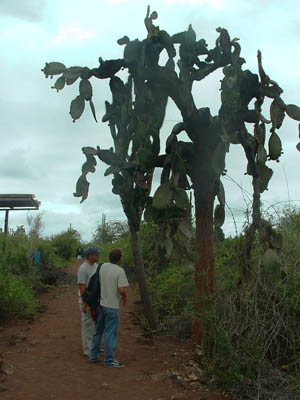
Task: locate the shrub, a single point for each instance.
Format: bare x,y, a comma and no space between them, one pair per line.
65,244
255,325
15,253
172,293
16,297
49,257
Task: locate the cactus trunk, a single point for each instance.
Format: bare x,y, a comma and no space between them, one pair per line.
204,267
140,274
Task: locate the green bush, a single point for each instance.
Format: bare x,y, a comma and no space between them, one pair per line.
66,243
18,275
172,293
16,297
49,257
15,253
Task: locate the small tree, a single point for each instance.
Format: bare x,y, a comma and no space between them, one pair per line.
36,225
109,232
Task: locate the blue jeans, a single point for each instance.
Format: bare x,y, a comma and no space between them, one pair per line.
107,325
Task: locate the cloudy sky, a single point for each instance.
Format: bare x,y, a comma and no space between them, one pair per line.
40,146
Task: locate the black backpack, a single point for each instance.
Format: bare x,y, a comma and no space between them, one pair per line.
91,294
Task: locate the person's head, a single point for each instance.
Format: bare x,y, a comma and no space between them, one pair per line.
115,256
92,254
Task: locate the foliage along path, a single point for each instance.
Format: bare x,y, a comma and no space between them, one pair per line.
42,359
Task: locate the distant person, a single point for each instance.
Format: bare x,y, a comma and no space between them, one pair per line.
113,289
85,271
79,253
36,260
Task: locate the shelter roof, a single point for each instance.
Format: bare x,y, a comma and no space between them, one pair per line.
19,202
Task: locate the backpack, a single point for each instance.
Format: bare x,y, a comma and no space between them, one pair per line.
91,294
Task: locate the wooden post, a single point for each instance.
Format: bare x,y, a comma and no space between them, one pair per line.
6,221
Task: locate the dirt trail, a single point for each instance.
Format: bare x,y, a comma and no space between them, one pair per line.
43,359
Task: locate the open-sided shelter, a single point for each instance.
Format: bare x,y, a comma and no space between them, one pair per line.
13,202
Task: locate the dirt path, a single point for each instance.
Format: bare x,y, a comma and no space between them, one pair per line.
43,359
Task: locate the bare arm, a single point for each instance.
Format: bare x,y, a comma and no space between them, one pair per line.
123,293
81,289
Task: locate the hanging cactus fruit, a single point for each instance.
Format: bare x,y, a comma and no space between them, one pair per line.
77,107
85,89
53,68
59,84
293,111
275,146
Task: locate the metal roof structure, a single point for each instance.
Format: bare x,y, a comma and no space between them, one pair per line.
13,202
18,202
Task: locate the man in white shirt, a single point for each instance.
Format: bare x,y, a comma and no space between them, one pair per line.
113,282
84,273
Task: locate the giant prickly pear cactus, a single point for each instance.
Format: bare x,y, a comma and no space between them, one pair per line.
136,115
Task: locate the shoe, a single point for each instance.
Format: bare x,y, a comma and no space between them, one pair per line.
115,364
94,359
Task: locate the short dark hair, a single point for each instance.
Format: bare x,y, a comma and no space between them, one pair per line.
115,255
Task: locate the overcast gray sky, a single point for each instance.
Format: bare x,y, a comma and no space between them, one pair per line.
41,147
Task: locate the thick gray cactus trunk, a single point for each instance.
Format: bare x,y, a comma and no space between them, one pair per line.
141,278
